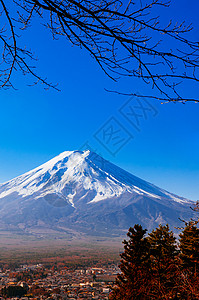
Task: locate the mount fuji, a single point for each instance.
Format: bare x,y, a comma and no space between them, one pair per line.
80,193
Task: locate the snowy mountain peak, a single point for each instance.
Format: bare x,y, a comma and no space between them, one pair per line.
73,171
81,191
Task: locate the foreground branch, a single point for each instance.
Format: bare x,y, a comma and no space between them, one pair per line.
124,39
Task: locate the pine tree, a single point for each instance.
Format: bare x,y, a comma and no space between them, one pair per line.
164,262
163,243
133,282
189,246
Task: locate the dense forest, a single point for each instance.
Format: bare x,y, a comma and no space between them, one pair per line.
158,265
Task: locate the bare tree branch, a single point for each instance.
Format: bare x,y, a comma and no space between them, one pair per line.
125,39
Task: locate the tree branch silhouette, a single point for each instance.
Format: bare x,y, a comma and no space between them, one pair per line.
125,39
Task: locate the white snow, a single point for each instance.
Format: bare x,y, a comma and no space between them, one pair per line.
78,169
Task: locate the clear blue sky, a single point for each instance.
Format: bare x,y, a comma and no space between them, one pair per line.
36,125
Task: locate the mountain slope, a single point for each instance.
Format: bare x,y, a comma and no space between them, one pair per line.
79,191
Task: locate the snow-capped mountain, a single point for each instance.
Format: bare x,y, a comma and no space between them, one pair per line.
79,191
